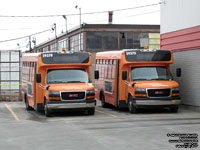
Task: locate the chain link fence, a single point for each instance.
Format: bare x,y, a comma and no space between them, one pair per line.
10,75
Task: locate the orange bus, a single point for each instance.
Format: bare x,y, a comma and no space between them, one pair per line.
53,80
136,78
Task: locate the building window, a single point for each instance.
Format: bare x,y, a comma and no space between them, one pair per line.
102,40
133,40
63,44
53,47
75,43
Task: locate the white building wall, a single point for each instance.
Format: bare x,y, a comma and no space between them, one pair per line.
179,14
189,82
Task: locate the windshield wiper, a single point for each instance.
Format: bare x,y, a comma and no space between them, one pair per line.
75,82
56,82
159,79
139,79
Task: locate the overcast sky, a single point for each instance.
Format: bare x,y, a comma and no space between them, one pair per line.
14,27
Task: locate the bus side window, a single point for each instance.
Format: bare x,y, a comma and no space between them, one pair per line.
106,69
97,65
113,69
100,68
109,69
103,68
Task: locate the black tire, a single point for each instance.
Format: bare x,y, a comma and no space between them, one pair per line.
46,110
103,103
174,109
131,107
39,108
28,107
91,111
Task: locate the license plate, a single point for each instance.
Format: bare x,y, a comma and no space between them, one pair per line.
173,101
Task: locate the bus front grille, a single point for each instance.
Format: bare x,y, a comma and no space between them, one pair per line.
159,92
73,95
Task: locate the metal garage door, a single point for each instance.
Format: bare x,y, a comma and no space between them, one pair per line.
9,75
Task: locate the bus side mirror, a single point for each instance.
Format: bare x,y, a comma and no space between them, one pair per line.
38,78
124,75
178,72
96,74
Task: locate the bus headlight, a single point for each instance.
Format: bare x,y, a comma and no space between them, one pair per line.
140,92
54,94
90,94
175,91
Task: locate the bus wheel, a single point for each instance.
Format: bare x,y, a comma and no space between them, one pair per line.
28,107
132,108
174,109
91,111
103,103
46,110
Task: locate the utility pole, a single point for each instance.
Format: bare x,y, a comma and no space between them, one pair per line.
34,42
65,17
30,49
80,23
18,46
56,42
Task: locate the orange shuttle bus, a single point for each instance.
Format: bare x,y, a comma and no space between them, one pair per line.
53,80
135,79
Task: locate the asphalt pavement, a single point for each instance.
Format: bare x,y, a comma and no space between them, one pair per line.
109,128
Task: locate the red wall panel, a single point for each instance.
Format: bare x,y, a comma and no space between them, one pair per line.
181,40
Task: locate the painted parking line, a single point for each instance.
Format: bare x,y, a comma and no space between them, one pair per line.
81,118
107,114
12,112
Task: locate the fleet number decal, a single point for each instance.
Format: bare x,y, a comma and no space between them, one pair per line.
130,53
47,55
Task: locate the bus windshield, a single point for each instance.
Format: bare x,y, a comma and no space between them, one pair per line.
150,73
67,76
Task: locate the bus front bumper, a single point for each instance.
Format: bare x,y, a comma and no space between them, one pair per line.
83,104
156,101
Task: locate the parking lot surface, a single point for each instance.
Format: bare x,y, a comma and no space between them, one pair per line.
109,128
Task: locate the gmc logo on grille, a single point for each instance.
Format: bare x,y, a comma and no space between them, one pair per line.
159,92
73,95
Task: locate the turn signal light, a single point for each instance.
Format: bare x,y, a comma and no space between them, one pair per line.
175,94
140,95
90,97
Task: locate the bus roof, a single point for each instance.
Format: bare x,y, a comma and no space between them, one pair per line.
138,55
30,56
59,57
109,54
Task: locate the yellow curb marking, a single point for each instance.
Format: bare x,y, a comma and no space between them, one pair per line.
108,114
12,112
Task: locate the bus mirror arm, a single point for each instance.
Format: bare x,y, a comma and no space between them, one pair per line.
96,74
178,72
124,75
38,78
133,85
47,87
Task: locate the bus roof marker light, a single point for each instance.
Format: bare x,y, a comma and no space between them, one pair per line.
63,49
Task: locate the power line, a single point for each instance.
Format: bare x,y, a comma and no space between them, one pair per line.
89,13
87,22
127,16
144,13
74,24
6,29
24,36
121,9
